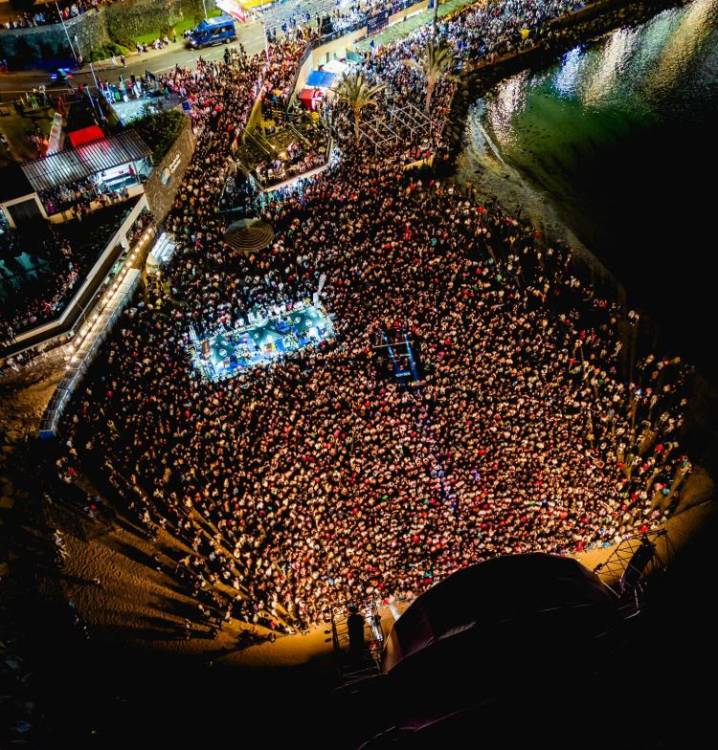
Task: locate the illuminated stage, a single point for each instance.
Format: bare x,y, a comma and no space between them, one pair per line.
264,339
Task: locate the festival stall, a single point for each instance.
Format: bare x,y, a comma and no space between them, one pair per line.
319,83
310,98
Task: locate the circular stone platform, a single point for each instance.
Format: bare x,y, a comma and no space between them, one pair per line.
249,235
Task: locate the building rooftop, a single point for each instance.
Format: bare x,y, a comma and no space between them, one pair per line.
73,165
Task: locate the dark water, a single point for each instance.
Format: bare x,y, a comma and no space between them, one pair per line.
622,138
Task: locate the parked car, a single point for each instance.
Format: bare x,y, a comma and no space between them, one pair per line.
212,31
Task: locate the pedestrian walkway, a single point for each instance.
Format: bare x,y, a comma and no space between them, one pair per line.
404,28
279,17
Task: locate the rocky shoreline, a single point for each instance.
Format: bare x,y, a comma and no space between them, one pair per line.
480,168
583,26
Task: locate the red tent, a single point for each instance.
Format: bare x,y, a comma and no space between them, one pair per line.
85,135
310,98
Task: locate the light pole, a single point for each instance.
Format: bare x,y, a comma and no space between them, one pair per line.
95,105
92,67
67,33
204,5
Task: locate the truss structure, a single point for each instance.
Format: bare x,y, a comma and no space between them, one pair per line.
387,128
629,566
397,348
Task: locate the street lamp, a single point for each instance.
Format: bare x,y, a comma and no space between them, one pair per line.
67,33
95,105
92,67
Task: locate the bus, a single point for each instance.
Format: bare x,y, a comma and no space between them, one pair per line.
213,31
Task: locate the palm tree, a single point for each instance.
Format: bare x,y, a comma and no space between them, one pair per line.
435,61
358,93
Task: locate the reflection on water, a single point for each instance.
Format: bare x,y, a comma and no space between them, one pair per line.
686,42
602,80
570,72
506,104
620,135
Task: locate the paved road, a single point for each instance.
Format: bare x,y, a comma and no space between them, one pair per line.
250,35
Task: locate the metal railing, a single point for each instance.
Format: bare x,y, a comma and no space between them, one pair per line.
86,353
81,305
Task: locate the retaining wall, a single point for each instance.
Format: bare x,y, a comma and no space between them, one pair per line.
167,176
119,23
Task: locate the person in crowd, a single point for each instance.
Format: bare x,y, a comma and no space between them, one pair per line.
315,480
50,13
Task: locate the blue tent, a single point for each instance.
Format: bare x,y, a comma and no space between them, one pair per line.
320,79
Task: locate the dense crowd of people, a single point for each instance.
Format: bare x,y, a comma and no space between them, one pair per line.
323,16
480,33
32,296
318,480
37,288
80,198
48,13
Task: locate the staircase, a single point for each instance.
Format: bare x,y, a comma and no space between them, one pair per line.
356,669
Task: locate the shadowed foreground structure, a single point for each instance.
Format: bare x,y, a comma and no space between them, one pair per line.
493,640
290,493
514,667
533,651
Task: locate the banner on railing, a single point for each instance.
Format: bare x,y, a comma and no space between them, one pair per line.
377,22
